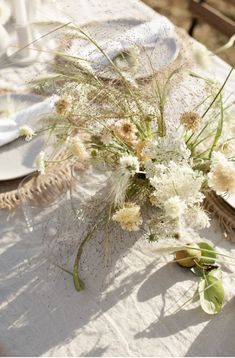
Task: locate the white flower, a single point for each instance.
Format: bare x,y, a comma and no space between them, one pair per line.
196,217
76,147
129,164
27,132
222,175
129,217
166,149
5,12
40,162
174,207
178,179
153,169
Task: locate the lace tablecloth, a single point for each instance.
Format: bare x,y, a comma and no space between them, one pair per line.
130,310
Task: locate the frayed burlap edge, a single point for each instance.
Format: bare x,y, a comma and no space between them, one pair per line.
224,212
44,188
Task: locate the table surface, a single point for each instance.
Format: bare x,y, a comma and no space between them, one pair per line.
130,307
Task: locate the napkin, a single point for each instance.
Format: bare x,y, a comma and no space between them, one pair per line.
10,126
144,35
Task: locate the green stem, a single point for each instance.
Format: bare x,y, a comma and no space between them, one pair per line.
78,283
219,92
219,128
206,250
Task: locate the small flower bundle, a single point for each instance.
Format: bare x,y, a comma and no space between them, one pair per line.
158,174
26,132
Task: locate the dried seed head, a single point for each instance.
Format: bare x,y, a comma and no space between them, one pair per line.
63,106
191,121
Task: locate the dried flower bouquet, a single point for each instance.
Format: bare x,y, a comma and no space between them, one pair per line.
166,169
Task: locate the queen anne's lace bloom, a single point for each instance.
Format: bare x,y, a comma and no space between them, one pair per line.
174,207
180,180
153,169
129,217
166,149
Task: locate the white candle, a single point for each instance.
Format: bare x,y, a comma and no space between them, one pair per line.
20,12
34,8
5,40
24,35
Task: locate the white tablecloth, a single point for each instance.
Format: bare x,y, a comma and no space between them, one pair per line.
130,310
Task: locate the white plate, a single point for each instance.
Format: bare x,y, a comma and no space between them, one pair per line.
17,158
151,60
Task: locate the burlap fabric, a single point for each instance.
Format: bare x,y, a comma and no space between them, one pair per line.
223,211
41,188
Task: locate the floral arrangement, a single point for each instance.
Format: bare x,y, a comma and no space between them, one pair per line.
159,174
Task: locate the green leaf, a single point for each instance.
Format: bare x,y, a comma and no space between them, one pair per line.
197,271
217,273
211,293
207,251
78,283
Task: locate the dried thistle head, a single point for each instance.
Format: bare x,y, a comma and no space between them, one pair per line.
191,121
